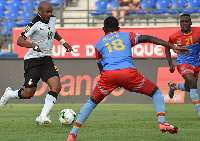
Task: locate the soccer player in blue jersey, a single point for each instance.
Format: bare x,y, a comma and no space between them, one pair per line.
188,65
114,59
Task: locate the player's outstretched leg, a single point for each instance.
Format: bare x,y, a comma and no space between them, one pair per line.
82,116
159,104
167,127
6,97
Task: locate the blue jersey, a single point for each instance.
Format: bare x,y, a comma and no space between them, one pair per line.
190,41
114,50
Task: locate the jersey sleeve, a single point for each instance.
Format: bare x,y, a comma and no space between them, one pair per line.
98,56
134,38
29,29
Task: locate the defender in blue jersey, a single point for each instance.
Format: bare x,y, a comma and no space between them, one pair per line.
188,65
114,59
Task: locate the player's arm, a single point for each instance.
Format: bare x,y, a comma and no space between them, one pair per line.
21,41
98,59
100,67
169,60
1,44
63,42
158,41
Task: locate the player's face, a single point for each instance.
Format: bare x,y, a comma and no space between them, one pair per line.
185,23
46,13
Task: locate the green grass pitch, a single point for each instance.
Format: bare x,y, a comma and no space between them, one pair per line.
108,122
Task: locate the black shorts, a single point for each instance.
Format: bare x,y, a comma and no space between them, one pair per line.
36,68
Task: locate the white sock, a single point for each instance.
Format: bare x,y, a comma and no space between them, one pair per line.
48,105
14,94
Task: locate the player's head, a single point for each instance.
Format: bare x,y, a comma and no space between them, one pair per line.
185,22
111,24
45,10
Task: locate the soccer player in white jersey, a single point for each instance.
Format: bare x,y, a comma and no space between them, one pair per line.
38,61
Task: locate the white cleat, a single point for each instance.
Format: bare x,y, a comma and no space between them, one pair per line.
6,97
43,120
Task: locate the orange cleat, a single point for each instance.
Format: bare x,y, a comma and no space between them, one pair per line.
167,127
72,137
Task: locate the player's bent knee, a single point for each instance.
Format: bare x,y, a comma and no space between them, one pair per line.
154,91
56,89
97,96
94,101
192,84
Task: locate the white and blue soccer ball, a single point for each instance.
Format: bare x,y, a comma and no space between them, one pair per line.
67,116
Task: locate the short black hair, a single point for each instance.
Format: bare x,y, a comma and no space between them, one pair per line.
111,22
185,15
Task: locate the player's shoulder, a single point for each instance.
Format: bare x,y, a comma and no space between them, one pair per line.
196,29
35,20
176,34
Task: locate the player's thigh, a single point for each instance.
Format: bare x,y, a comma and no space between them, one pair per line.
140,84
54,84
185,69
106,84
32,76
190,80
49,69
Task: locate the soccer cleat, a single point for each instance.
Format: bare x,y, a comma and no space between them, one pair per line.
171,90
43,120
167,127
6,97
72,137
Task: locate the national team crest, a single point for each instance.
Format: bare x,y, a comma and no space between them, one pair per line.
182,68
198,39
27,28
179,42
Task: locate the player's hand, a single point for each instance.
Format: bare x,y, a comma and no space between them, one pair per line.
68,47
181,50
172,68
1,44
36,47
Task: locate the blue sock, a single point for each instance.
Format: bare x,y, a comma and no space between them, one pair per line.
180,86
195,99
159,104
83,115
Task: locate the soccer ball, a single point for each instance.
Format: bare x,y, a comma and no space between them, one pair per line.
67,116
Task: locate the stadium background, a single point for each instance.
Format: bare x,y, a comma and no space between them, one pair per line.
78,70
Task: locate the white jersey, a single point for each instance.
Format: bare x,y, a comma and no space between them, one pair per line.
42,34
